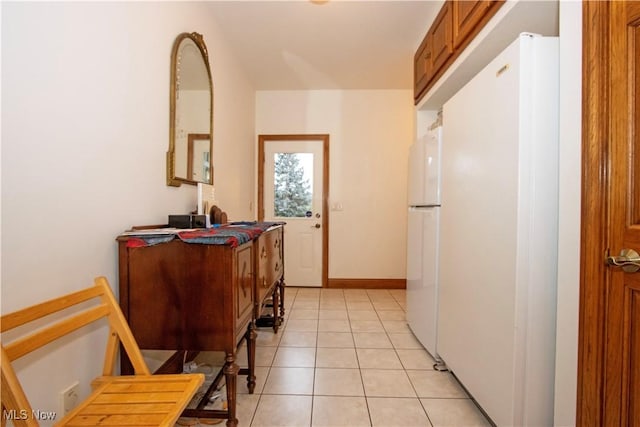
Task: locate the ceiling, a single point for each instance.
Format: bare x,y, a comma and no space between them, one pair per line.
320,44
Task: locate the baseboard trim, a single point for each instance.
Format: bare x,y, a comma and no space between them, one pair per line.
367,283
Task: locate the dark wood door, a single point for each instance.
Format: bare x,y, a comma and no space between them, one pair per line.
609,359
622,355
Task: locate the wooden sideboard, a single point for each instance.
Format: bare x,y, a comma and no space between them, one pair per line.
202,297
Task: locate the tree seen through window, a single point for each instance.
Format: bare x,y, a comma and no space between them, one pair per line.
292,188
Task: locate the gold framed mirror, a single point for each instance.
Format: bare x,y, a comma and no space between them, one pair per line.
190,155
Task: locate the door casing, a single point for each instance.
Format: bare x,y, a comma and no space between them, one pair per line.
264,139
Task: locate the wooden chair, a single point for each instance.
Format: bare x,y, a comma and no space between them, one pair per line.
140,399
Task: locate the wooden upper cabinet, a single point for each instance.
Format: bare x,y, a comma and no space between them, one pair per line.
457,23
441,35
422,66
466,15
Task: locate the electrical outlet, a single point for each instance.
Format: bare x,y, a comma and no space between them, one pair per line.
189,367
69,397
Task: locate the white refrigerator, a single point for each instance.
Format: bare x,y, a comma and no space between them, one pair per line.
422,238
498,255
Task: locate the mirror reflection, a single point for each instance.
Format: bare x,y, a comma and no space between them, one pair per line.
189,159
199,157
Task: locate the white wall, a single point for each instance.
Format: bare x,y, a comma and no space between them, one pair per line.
85,109
370,134
569,213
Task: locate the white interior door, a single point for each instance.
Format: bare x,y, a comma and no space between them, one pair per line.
293,190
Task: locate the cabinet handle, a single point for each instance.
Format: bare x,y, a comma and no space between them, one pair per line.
276,244
263,253
277,266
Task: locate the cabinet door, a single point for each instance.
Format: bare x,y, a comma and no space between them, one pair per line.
441,37
422,67
262,255
276,266
244,283
466,15
270,262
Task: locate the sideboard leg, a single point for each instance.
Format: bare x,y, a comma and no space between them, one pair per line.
281,287
276,307
251,356
230,371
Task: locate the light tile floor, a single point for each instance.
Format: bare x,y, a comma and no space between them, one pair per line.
347,358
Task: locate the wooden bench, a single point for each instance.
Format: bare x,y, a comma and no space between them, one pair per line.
134,400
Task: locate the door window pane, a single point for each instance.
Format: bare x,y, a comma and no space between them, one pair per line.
293,184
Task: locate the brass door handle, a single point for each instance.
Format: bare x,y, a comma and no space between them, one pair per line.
628,259
316,226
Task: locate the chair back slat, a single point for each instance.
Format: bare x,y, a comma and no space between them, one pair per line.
20,347
24,316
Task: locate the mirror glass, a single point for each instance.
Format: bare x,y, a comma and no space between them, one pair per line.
189,159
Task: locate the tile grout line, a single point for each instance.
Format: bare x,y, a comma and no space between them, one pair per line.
366,400
315,363
355,349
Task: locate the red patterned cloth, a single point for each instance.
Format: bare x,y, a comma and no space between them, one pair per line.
233,234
